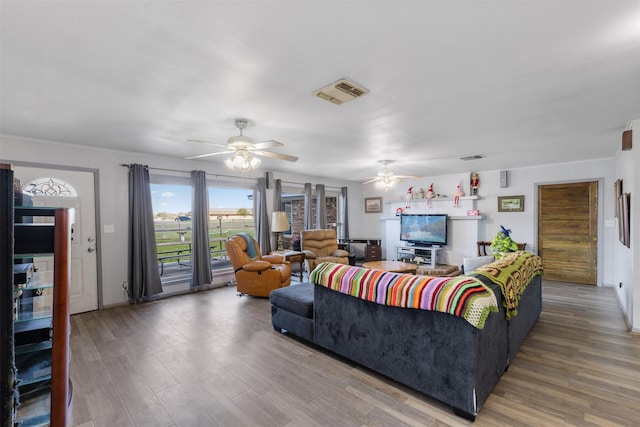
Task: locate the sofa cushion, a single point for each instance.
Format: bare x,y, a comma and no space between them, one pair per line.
296,299
470,264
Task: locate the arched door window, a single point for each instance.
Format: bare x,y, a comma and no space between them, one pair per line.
50,187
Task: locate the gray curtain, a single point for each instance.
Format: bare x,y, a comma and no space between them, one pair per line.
344,214
321,207
277,195
143,277
200,253
308,217
262,223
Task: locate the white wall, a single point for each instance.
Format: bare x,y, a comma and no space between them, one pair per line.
627,278
634,284
113,193
523,224
623,256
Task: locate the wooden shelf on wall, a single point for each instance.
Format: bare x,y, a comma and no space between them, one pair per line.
434,200
453,217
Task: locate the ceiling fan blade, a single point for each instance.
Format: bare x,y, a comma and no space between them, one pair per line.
371,180
200,156
275,155
207,142
267,144
406,176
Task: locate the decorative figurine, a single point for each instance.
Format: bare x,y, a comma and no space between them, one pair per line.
408,196
430,195
422,194
474,183
456,197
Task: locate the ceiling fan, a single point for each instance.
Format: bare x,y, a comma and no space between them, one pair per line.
243,149
387,179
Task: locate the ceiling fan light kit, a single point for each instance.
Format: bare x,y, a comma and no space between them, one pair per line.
243,148
386,183
242,161
386,179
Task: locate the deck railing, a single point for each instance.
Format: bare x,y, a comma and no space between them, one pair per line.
173,239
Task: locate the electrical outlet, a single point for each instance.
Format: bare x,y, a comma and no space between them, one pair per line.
620,285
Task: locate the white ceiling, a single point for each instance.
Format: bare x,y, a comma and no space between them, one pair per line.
520,82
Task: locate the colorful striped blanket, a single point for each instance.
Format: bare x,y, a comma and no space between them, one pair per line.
461,296
512,273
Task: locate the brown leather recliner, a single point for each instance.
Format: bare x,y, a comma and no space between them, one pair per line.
258,276
321,246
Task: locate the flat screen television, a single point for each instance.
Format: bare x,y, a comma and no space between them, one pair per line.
424,229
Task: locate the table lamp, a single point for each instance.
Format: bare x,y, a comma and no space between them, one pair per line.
279,223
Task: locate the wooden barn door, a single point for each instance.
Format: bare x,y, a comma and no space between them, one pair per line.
568,232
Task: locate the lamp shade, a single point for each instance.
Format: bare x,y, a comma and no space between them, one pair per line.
279,222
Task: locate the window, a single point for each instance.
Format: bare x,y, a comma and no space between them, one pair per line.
50,187
172,223
230,211
293,205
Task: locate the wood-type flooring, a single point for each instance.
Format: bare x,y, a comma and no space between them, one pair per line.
213,359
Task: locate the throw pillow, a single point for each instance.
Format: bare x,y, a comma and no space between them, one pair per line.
470,264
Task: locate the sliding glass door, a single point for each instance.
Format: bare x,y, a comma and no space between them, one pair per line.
230,211
293,205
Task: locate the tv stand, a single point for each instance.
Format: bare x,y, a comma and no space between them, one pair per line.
409,253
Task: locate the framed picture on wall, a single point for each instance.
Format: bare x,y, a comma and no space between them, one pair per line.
619,210
510,203
624,216
617,192
373,204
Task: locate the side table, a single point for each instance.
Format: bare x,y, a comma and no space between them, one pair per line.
392,266
441,270
294,257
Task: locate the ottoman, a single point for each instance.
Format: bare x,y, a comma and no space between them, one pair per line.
292,310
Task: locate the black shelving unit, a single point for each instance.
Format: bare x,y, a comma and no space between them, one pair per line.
7,361
37,332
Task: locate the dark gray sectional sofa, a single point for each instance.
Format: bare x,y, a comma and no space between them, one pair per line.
438,354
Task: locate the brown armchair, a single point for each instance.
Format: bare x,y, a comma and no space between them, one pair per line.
321,246
260,275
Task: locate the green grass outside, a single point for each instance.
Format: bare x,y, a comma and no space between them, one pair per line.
170,231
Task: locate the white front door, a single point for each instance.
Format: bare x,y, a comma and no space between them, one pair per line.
71,189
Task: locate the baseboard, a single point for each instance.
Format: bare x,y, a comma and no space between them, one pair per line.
627,322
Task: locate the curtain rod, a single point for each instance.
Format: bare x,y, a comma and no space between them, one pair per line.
225,176
128,165
302,184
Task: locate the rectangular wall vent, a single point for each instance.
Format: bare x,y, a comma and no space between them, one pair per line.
340,92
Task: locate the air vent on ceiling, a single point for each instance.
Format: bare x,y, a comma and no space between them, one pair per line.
473,157
340,92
